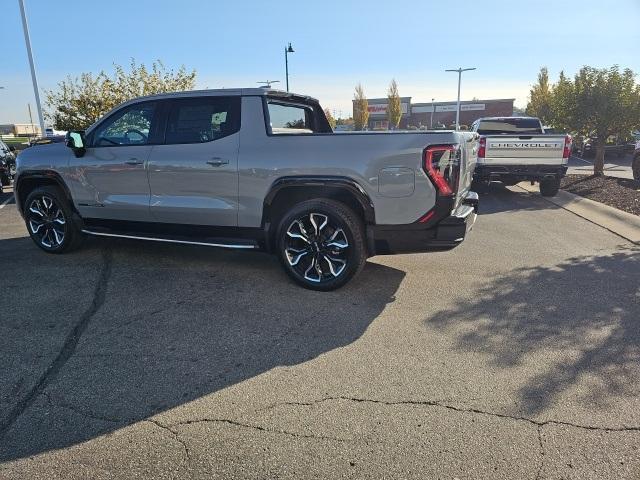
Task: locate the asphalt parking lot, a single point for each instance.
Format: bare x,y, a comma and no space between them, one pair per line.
516,355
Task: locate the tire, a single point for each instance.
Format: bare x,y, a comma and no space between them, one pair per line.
49,221
5,180
635,166
321,244
549,186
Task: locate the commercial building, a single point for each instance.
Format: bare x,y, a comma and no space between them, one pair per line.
20,129
435,114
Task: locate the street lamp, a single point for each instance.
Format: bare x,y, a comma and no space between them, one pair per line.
287,50
459,70
433,107
27,41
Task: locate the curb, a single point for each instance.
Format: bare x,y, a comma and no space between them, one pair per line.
623,224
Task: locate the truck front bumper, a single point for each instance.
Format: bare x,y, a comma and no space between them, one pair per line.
517,173
448,233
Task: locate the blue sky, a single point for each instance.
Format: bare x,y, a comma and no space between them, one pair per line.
337,43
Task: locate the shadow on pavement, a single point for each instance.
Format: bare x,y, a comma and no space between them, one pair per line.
587,310
496,198
174,324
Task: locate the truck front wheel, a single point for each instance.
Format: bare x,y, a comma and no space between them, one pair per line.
48,217
321,244
549,186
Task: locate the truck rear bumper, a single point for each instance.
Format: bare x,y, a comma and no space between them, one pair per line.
488,172
448,233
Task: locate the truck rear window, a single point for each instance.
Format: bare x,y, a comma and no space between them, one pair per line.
496,126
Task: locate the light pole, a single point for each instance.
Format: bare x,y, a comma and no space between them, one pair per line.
27,41
433,108
459,70
287,50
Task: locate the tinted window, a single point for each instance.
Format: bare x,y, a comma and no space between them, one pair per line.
130,126
202,119
497,126
290,118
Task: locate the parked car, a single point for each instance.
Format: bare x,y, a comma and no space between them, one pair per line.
7,164
635,165
515,149
611,147
252,169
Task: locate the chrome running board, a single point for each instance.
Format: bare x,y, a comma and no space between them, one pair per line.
245,246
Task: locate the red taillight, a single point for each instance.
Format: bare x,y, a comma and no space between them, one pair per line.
566,153
427,216
482,149
442,165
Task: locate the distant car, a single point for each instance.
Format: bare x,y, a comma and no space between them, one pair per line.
611,147
47,140
7,164
635,166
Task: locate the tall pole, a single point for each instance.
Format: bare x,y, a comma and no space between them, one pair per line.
433,107
286,66
27,41
459,70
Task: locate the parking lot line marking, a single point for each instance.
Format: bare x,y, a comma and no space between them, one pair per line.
4,204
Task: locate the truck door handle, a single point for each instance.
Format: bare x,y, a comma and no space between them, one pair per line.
134,161
217,162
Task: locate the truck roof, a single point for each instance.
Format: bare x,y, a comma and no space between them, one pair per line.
510,117
252,91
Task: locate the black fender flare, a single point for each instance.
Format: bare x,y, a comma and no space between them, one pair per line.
49,176
344,183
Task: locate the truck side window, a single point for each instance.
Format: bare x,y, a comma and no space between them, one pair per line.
202,119
132,125
290,118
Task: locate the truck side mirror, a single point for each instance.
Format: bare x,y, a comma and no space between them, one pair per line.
75,141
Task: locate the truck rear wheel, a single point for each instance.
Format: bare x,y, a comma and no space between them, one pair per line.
49,220
549,186
321,244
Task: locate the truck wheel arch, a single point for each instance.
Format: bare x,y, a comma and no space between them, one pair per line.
287,191
27,181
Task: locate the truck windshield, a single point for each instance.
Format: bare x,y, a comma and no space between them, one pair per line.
522,126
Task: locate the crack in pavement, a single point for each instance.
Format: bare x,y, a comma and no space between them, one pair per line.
68,347
176,436
542,453
259,428
435,403
79,411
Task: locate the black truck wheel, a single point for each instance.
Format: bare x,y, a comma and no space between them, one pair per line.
321,244
549,186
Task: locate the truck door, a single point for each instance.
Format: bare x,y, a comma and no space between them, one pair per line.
193,175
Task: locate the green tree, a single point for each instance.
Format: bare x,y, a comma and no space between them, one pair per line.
79,102
394,108
540,98
598,103
330,118
360,108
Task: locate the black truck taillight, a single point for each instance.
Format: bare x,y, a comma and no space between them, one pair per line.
442,164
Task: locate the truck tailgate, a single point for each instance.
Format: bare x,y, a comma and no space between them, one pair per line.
524,150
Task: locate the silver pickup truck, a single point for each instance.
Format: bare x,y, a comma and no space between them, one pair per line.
516,149
251,169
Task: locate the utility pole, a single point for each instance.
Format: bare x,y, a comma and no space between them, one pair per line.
287,51
433,108
459,70
34,79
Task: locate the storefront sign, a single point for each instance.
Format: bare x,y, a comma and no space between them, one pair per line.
381,109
